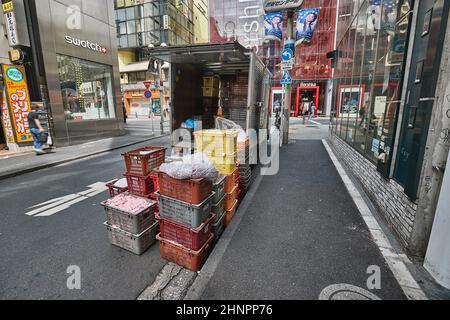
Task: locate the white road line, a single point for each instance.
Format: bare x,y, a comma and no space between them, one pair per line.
315,122
395,261
54,206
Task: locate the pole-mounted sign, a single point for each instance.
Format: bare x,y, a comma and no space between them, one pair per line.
281,5
11,24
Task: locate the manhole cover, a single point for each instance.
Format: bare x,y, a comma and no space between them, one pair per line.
346,292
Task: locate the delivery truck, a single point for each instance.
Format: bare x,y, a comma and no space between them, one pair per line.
216,80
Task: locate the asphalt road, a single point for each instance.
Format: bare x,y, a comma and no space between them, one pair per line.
36,251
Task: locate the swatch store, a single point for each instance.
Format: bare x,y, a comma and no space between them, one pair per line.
81,70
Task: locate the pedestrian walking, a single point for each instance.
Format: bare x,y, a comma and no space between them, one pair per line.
36,129
312,111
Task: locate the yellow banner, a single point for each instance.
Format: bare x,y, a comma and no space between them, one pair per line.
8,7
18,99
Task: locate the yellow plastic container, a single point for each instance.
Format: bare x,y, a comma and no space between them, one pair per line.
210,92
216,142
225,168
211,82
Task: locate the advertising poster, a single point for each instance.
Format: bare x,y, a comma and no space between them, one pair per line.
18,100
351,98
274,26
6,122
307,20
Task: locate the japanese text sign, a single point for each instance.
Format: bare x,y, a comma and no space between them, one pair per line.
18,99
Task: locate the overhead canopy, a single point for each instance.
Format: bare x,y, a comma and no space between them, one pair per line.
220,58
135,67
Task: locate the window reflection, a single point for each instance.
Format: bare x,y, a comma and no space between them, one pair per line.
86,88
368,81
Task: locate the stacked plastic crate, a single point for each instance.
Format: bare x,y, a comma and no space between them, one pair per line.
211,86
245,169
221,148
232,194
218,207
130,213
186,220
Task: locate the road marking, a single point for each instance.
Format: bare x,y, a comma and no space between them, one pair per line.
397,262
54,206
315,122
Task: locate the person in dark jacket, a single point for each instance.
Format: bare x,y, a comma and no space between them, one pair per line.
36,128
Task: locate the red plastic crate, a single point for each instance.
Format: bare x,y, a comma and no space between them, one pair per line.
231,181
143,164
193,239
190,259
115,191
192,191
154,177
154,197
138,185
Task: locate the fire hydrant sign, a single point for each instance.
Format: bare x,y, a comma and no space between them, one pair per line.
18,100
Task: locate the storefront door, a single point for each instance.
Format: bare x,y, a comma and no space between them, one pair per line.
306,95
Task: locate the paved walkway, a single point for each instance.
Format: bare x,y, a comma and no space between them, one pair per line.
300,234
30,162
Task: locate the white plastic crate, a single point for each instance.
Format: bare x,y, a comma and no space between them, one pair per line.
184,213
137,244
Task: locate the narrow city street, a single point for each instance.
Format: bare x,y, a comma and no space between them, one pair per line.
300,234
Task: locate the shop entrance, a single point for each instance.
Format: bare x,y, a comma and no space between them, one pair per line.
305,97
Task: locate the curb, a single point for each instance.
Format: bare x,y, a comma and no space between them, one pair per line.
57,163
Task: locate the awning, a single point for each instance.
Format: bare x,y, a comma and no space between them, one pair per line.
221,58
135,67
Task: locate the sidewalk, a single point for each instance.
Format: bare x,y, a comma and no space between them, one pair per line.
30,162
296,234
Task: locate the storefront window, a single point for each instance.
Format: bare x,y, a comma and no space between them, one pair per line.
368,94
86,88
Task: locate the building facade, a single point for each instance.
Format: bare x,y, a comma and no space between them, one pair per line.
244,21
70,59
144,23
390,113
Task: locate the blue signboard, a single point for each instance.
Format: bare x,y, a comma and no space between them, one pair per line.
148,94
286,79
287,54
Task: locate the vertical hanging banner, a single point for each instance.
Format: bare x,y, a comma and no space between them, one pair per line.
11,24
307,20
6,121
18,100
273,23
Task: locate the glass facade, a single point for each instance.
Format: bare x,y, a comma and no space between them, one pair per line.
373,38
87,89
144,22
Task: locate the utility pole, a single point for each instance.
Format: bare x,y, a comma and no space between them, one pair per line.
288,87
289,7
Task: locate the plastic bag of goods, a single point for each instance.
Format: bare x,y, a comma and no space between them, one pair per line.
196,166
225,124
